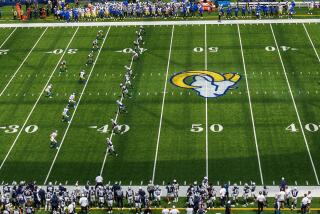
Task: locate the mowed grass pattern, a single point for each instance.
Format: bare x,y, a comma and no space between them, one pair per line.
232,154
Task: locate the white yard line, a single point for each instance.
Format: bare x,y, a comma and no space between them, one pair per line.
8,38
163,23
315,51
162,107
75,110
112,133
250,106
206,106
36,103
25,59
294,104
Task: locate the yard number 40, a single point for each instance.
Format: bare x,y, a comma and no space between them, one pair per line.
310,127
214,128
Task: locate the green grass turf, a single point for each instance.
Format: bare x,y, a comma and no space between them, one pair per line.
181,153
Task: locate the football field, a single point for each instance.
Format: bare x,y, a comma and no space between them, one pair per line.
184,121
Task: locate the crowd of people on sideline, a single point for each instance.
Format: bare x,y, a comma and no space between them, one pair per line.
57,199
97,11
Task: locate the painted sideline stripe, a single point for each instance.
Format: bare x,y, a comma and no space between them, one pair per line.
25,59
34,106
315,51
162,107
161,23
206,105
4,42
295,106
250,105
75,110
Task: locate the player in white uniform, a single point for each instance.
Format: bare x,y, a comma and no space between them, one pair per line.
72,100
122,107
100,34
82,76
95,45
48,90
129,196
157,195
65,116
110,148
90,59
53,140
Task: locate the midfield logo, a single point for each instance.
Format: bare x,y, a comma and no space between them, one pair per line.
207,84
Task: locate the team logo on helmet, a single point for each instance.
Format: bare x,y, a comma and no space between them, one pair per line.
207,84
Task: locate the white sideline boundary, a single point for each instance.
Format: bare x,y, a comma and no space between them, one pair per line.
162,107
36,103
75,110
160,23
294,105
250,105
24,60
315,50
206,105
8,37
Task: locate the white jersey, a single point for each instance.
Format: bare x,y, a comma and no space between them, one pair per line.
72,98
65,112
48,88
82,73
53,136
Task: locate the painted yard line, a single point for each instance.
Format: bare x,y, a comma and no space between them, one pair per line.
112,133
250,105
75,110
206,106
8,38
295,106
36,103
161,23
162,107
315,51
25,59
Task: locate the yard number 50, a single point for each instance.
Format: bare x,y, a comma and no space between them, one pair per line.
214,128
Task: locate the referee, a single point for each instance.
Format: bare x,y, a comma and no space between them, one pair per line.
261,199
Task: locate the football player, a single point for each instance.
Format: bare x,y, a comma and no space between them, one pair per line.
137,202
101,196
65,116
72,100
63,66
53,140
157,195
129,196
110,148
48,90
175,185
110,200
90,59
122,107
246,191
125,92
235,193
95,45
100,34
294,194
82,76
129,72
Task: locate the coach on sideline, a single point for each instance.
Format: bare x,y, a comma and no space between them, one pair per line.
261,199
